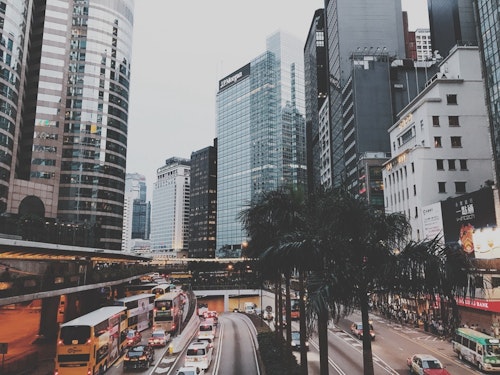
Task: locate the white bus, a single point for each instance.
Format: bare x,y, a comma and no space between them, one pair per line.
139,310
477,348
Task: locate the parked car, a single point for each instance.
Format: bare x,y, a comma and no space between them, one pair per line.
357,330
190,370
139,356
296,341
133,337
159,338
425,364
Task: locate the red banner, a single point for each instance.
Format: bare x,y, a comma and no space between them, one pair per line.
480,304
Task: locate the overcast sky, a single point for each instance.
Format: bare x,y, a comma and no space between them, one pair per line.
180,51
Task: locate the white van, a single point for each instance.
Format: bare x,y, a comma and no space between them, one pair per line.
207,329
199,354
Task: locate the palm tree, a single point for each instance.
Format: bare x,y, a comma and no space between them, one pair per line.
268,221
348,250
367,251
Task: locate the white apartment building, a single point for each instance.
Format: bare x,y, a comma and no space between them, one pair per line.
170,208
423,44
441,145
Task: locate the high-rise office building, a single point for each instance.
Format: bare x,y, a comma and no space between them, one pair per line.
170,208
260,134
136,210
489,40
354,28
451,22
316,88
203,203
63,118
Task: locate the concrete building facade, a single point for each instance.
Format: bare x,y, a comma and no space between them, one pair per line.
441,145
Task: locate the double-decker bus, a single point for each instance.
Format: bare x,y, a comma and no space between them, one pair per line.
139,310
133,289
90,344
161,289
167,311
477,348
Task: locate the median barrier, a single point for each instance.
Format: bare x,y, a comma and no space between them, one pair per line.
179,342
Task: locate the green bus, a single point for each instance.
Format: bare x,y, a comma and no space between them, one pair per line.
477,348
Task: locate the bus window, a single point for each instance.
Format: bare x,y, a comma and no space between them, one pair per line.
74,335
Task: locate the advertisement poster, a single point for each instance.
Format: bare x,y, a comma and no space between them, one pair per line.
433,221
469,220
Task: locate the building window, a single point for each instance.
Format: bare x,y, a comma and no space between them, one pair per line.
412,167
453,121
460,187
495,282
451,99
440,164
442,187
456,141
416,212
451,164
435,120
437,142
463,164
415,190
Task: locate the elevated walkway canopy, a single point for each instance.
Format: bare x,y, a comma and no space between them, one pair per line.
29,250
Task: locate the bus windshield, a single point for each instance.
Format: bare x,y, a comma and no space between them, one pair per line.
162,305
493,350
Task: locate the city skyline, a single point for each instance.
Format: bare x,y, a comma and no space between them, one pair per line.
177,105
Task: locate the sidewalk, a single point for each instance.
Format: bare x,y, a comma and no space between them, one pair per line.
46,356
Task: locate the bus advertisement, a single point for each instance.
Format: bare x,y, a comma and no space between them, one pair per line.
91,343
167,311
477,348
139,310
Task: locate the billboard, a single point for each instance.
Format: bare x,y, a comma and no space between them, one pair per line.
234,77
469,220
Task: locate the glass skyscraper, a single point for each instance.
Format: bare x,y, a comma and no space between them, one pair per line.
260,134
63,119
489,38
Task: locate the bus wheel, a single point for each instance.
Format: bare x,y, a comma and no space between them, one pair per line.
460,356
480,366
